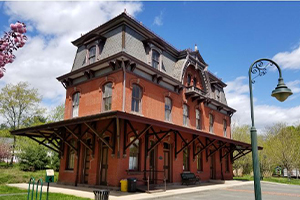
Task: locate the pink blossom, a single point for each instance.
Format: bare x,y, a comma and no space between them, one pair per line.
1,73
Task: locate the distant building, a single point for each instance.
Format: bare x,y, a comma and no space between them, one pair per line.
138,107
9,141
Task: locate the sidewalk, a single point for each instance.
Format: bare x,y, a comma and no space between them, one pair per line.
172,190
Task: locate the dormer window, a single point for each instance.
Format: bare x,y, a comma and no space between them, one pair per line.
155,59
92,54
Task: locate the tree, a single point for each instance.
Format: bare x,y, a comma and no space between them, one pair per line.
12,40
56,114
32,155
283,145
242,133
17,104
5,152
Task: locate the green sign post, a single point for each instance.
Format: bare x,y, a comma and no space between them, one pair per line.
49,178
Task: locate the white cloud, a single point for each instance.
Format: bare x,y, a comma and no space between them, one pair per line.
50,53
294,86
158,20
288,60
237,95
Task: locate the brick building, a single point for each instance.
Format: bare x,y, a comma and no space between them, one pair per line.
138,107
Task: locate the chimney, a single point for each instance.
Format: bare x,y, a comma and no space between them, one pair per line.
196,48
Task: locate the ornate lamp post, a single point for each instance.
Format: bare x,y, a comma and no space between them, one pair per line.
281,93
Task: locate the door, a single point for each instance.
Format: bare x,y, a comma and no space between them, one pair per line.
86,164
152,165
104,165
167,162
212,166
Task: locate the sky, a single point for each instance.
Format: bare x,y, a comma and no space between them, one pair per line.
230,37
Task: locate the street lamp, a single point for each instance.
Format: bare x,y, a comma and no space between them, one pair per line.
281,93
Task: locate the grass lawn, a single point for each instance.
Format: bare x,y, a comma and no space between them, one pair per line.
52,196
14,175
271,179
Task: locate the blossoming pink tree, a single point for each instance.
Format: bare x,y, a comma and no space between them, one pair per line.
11,41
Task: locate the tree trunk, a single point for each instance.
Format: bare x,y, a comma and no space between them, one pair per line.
13,151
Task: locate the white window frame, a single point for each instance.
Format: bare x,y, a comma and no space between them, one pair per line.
107,96
137,99
211,123
94,57
185,115
198,119
75,104
134,156
168,109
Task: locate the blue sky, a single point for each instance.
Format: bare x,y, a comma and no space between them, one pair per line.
229,36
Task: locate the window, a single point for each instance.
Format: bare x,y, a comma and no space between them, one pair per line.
227,163
186,159
195,82
155,59
185,115
71,156
92,54
136,98
199,160
107,96
198,119
168,108
217,93
189,79
211,123
134,155
75,104
224,128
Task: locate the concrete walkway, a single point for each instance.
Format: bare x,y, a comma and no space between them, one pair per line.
172,190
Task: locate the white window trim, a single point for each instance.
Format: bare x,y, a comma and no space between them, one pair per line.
152,47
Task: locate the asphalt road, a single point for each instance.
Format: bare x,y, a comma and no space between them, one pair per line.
270,191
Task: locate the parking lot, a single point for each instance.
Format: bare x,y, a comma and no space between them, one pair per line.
270,191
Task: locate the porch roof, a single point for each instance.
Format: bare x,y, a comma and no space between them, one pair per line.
49,129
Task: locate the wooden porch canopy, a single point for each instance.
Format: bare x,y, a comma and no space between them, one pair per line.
54,135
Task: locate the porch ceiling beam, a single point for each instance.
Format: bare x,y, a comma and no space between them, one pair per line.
187,144
100,135
133,130
41,143
181,137
157,142
241,154
78,138
153,132
50,141
221,144
65,141
139,135
228,152
205,147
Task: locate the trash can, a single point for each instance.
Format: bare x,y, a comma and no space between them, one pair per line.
131,185
101,194
123,185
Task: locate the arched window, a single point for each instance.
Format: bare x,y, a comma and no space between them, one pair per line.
198,119
92,54
168,108
107,96
189,79
134,155
71,155
186,158
224,128
185,115
155,59
136,98
211,123
75,104
194,81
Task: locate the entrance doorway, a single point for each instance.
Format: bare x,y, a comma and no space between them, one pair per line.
167,162
212,166
104,163
152,164
86,162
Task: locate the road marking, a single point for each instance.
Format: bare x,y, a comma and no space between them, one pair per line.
263,192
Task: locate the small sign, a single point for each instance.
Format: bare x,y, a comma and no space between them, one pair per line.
160,157
49,176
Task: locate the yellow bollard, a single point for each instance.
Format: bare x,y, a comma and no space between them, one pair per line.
123,185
